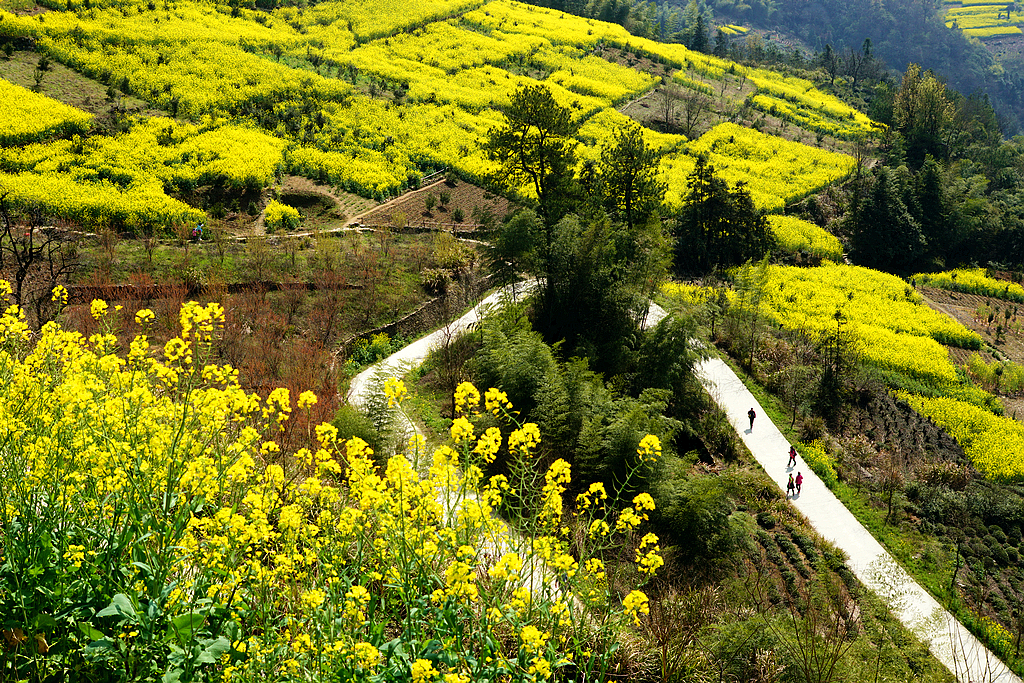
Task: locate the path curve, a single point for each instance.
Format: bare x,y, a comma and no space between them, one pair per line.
948,640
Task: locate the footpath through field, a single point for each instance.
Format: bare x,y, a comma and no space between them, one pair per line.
948,640
951,643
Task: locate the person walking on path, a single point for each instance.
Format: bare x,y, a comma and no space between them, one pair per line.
792,456
799,481
790,487
751,414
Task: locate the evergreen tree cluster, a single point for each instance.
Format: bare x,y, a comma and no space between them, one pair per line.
597,238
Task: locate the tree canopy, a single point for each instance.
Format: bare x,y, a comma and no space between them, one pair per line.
718,227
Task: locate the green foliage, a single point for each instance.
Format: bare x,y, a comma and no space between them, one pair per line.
515,359
350,422
598,281
533,149
696,512
628,176
585,422
513,249
367,351
886,236
718,227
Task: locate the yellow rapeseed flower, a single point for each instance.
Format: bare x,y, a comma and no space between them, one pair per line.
422,670
467,399
98,308
395,390
635,604
650,449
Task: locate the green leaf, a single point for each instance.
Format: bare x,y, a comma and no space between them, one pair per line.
120,606
213,651
44,622
171,676
101,644
91,633
182,627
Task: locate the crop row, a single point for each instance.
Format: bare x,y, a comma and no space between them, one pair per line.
809,299
118,179
29,117
994,443
138,206
233,63
798,101
556,26
795,235
777,172
985,20
972,281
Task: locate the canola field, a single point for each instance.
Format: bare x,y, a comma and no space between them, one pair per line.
983,19
250,95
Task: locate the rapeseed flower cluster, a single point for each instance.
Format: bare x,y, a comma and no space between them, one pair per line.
181,514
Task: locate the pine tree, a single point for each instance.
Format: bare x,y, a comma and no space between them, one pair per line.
718,227
885,234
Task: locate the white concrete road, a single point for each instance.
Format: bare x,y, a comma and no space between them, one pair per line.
948,640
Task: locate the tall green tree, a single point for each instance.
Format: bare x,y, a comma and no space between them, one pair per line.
718,227
934,213
885,235
513,246
629,176
601,276
922,109
535,148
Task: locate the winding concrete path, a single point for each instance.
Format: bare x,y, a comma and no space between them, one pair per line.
948,640
952,644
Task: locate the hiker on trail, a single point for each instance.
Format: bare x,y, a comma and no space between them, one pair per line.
792,456
790,487
751,414
799,481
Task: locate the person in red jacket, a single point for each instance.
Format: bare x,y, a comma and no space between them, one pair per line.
799,481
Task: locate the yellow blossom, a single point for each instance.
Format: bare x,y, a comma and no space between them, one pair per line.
98,308
467,399
650,448
422,670
395,390
462,429
635,604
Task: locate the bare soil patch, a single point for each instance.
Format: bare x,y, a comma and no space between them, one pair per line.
1005,47
964,309
475,205
72,88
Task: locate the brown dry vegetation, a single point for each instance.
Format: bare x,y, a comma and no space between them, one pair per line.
477,205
